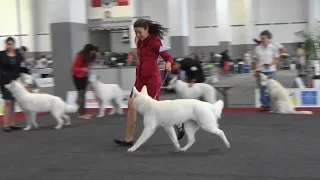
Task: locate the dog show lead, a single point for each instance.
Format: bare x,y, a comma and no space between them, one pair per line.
11,65
148,41
80,68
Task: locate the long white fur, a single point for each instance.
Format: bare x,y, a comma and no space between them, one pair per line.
195,92
280,100
32,103
193,113
106,94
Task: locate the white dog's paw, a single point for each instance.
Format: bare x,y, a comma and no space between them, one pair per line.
111,113
100,115
67,123
271,111
120,112
58,127
36,126
228,145
27,128
131,150
182,150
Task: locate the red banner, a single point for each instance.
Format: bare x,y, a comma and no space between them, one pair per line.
122,2
96,3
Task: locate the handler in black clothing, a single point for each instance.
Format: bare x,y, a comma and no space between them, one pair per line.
192,68
11,65
194,74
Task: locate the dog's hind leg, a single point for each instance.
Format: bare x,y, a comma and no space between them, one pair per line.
173,136
212,128
118,102
28,122
190,128
59,119
67,119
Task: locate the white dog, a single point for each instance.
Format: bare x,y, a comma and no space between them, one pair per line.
195,92
279,97
106,93
193,113
32,103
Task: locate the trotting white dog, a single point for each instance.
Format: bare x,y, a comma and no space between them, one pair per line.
32,103
207,92
280,100
106,94
193,113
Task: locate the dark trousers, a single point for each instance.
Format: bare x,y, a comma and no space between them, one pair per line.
81,85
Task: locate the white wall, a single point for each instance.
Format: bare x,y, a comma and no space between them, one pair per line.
42,25
157,11
201,15
9,25
237,12
284,11
280,11
34,20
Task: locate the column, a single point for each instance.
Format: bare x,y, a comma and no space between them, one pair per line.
249,25
178,27
69,33
313,15
223,22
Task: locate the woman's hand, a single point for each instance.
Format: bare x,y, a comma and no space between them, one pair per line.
191,84
168,66
85,69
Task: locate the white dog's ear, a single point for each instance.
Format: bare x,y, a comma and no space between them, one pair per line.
135,91
175,79
144,90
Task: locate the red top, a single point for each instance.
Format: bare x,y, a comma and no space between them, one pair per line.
148,52
78,65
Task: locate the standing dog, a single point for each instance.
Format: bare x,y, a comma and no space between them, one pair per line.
207,92
32,103
193,113
279,97
106,93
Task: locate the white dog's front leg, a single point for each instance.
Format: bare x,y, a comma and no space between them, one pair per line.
28,122
33,117
120,110
101,109
173,136
146,134
113,111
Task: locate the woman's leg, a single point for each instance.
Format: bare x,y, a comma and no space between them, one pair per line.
131,121
131,126
8,116
81,84
81,102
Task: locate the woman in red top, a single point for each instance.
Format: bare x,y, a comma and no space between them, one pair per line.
148,40
80,68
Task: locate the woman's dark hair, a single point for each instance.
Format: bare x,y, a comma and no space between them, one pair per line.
266,33
10,39
154,28
85,53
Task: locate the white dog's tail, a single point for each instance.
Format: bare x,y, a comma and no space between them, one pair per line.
210,95
71,108
217,108
303,112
